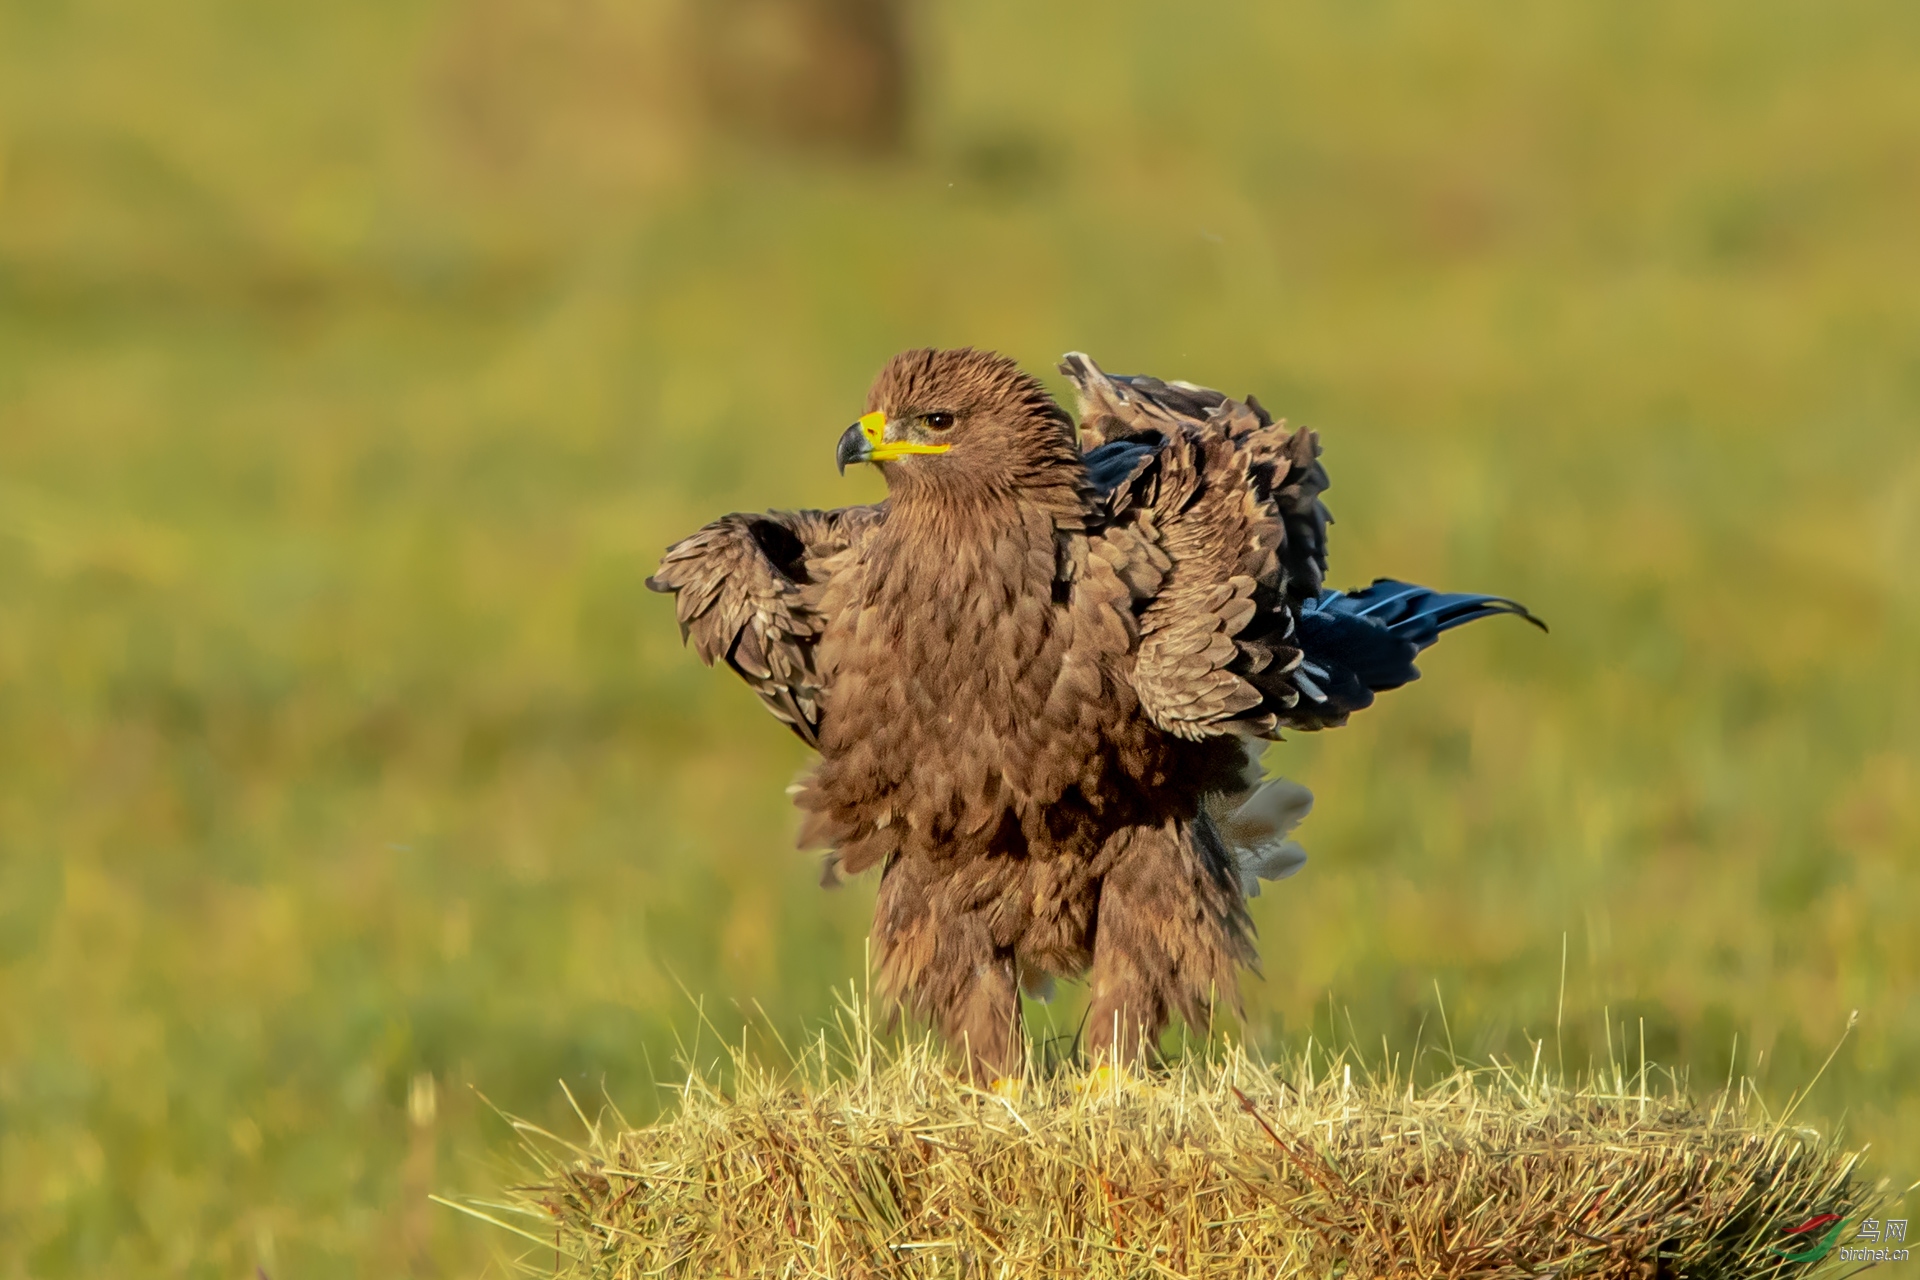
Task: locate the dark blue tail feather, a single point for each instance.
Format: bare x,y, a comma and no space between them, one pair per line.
1358,643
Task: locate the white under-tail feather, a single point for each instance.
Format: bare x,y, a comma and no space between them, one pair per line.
1257,832
1256,824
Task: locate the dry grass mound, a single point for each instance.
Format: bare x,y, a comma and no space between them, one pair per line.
885,1164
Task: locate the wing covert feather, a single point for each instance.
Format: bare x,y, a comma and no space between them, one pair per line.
1213,519
748,588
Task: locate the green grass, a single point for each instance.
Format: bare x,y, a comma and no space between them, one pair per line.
356,363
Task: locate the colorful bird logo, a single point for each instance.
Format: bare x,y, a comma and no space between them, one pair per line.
1832,1224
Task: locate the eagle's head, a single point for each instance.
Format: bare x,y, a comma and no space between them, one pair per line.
943,419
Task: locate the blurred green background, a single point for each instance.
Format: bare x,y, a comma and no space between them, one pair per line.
357,360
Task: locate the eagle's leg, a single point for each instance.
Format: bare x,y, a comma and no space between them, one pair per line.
939,961
986,1023
1172,932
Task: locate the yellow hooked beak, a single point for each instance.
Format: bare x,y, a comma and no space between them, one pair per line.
866,441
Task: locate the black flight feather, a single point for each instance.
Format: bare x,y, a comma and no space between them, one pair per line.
1355,644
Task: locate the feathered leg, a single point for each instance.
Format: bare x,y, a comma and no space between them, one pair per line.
985,1021
940,963
1172,932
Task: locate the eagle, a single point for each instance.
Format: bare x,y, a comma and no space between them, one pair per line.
1039,675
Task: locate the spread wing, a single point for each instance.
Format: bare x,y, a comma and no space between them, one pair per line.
1210,511
747,588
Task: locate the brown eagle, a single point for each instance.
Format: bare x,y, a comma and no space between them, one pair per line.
1038,675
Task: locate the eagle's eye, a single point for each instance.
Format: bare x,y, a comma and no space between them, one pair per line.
941,421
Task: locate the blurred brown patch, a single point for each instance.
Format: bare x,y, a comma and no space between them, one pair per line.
807,73
620,96
572,92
